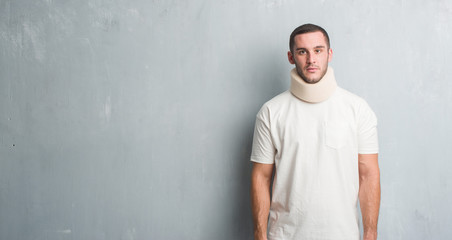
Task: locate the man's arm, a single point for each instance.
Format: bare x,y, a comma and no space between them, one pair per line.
260,198
369,193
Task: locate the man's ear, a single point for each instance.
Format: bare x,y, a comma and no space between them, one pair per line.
290,57
330,54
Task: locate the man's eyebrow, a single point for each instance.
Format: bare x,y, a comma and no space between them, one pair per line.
320,46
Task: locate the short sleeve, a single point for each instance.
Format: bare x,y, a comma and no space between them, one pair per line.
367,130
263,150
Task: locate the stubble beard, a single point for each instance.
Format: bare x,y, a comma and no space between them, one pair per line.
311,80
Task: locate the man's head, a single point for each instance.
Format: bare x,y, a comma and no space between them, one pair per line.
310,52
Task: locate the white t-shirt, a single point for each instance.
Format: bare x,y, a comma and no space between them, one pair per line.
314,147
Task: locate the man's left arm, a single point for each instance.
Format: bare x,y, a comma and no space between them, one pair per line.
369,193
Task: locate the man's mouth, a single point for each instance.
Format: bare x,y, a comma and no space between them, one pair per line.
311,69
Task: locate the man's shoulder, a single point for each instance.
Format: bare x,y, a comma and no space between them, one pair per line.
278,100
354,101
275,104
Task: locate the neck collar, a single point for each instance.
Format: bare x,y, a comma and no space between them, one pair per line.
316,92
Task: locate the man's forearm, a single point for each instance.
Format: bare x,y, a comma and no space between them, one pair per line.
260,204
369,198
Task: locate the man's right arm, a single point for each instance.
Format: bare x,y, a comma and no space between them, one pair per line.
260,198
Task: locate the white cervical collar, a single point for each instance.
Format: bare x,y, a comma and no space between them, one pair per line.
313,92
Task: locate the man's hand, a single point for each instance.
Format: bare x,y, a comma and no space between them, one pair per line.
260,198
370,235
369,193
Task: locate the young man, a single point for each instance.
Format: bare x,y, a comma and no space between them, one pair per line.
320,142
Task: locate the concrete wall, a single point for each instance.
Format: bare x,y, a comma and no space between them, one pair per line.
133,119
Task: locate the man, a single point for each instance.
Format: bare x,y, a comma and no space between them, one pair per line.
320,143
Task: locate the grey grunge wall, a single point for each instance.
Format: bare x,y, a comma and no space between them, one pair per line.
133,119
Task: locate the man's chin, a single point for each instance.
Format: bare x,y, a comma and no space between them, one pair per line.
311,80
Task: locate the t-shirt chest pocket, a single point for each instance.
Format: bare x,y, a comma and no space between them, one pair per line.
338,134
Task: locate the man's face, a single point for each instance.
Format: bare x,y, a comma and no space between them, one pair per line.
310,56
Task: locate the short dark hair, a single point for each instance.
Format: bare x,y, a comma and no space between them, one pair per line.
307,28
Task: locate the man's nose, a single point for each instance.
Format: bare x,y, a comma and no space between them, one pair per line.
311,58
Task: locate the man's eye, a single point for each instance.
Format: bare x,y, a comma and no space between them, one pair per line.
301,52
317,51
